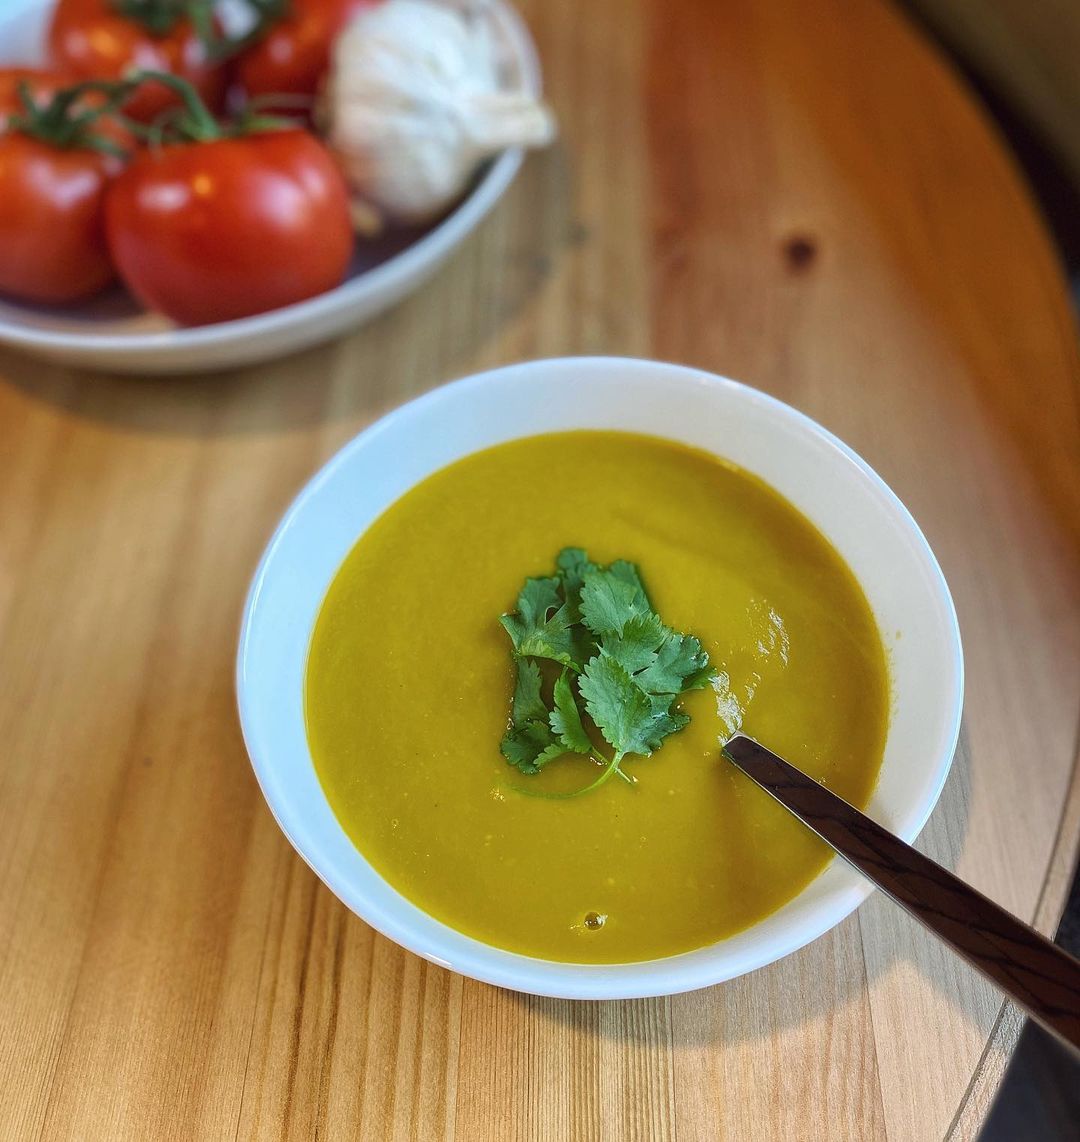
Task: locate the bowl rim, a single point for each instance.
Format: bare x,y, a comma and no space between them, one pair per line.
381,280
489,963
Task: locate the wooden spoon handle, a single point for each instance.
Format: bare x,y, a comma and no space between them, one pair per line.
1039,976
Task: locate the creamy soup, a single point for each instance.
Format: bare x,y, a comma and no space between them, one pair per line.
409,684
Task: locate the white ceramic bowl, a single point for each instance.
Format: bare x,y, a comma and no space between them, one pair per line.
111,332
821,476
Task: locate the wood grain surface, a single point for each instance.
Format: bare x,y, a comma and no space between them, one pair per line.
798,194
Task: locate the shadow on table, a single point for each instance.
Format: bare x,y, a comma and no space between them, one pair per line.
1040,1096
428,338
822,983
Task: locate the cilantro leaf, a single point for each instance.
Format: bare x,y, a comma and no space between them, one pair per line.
530,742
630,720
542,626
528,705
680,665
660,660
636,647
628,573
609,599
628,666
565,719
531,746
675,718
572,563
538,598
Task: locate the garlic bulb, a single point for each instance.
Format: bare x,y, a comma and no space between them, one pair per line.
413,104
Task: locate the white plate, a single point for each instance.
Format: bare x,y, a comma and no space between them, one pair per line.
823,478
110,332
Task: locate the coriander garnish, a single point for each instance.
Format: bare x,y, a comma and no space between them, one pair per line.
617,658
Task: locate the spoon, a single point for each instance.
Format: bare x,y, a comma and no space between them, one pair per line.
1038,975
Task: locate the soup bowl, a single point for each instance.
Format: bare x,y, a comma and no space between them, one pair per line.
835,489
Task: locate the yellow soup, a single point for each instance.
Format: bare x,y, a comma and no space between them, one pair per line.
409,682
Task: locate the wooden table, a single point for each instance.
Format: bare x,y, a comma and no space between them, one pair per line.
799,194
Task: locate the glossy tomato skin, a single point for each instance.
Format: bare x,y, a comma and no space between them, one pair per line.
93,41
294,54
213,231
52,236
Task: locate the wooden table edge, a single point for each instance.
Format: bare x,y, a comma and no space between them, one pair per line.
1005,1034
1064,863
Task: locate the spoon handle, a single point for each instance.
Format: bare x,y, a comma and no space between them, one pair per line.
1038,975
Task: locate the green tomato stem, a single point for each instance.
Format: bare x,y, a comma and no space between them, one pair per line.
197,124
161,17
56,123
265,13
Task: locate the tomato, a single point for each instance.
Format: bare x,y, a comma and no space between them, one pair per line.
210,231
95,39
294,53
52,236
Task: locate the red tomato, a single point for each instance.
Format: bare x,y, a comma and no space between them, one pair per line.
52,236
293,55
95,40
215,230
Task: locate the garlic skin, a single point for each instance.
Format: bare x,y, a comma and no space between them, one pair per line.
413,105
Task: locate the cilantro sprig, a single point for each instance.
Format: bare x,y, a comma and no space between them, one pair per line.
617,659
